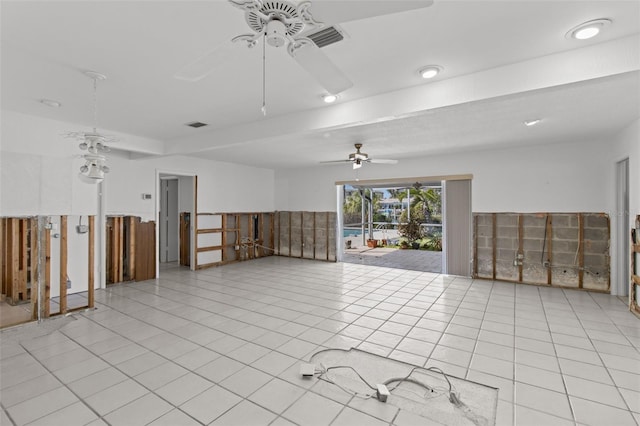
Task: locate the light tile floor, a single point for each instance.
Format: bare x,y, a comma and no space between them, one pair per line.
222,346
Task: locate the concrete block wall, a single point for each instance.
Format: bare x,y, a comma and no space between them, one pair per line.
308,235
596,251
558,249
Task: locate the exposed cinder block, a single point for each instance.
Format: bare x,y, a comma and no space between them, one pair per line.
565,246
484,242
506,271
596,221
536,232
296,220
506,243
532,244
564,277
534,273
532,221
505,254
594,260
485,267
484,231
596,246
565,253
596,234
506,219
311,235
507,232
484,219
561,220
565,233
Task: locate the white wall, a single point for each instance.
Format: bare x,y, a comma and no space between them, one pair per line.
553,178
39,168
564,177
222,187
185,194
39,176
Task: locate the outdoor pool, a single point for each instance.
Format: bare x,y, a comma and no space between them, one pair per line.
351,232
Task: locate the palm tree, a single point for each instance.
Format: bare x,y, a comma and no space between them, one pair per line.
400,194
426,200
352,207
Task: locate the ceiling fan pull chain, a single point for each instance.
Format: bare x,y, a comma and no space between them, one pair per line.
264,75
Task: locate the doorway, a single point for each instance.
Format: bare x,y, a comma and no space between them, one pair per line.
396,225
176,200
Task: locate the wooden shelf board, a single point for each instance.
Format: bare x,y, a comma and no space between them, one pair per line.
209,230
210,248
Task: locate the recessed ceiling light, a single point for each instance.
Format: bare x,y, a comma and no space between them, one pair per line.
50,103
533,122
430,71
329,99
588,29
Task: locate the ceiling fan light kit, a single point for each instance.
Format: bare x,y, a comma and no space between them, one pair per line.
282,23
94,167
358,158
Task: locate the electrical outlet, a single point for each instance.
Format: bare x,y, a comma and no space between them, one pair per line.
82,229
546,264
68,284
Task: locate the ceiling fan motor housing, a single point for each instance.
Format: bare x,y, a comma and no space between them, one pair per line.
275,33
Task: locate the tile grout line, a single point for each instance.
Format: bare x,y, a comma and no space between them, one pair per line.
564,384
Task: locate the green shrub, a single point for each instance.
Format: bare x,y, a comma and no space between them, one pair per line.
412,230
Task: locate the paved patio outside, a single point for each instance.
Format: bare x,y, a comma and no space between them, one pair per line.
415,260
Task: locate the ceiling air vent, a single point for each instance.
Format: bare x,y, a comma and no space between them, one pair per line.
196,124
327,36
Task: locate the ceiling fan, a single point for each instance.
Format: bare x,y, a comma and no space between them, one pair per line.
285,23
358,158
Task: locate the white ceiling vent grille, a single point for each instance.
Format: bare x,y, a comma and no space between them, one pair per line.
196,124
327,36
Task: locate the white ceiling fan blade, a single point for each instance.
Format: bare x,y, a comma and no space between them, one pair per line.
382,161
207,63
336,11
335,161
312,59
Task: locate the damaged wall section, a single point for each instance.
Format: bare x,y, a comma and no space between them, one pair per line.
556,249
307,235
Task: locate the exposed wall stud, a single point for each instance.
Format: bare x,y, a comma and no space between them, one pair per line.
63,265
91,263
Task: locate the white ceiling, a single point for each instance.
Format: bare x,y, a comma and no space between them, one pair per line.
140,45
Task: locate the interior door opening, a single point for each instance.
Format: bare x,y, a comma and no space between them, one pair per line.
176,208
